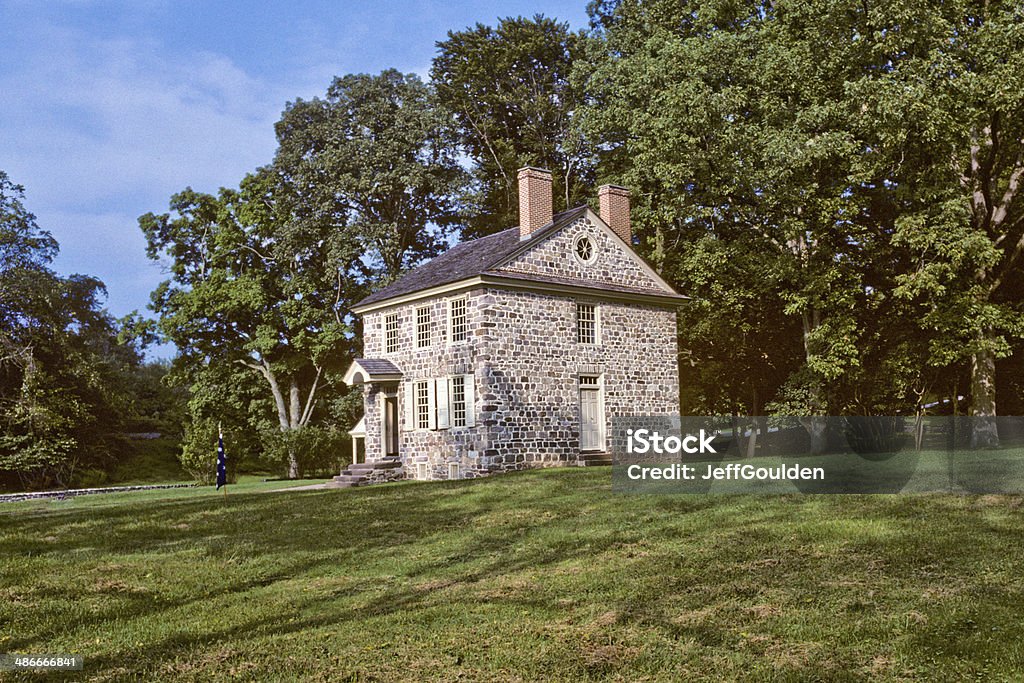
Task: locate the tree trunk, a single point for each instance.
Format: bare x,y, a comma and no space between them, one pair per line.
752,441
815,424
755,408
984,433
293,424
291,414
817,429
284,420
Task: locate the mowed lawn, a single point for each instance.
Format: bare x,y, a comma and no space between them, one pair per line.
543,575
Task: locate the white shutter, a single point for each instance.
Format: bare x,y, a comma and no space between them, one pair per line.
443,408
409,388
431,405
470,401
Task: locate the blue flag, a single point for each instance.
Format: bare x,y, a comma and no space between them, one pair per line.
222,463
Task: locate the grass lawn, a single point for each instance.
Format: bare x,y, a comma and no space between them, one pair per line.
530,576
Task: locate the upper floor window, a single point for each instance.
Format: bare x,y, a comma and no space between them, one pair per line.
458,323
585,249
422,327
586,323
391,326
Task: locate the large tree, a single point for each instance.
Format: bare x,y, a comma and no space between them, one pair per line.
949,99
248,289
731,123
510,90
867,160
374,160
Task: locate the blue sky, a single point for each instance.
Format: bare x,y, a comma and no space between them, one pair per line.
109,107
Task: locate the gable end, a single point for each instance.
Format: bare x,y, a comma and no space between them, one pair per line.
556,255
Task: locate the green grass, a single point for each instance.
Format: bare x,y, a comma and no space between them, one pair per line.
531,576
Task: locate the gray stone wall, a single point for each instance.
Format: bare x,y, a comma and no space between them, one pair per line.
530,387
553,257
440,447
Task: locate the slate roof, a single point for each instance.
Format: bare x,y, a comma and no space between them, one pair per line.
378,366
468,259
480,256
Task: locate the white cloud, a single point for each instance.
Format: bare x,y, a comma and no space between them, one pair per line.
100,131
98,119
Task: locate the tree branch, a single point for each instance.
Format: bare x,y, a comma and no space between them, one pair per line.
307,413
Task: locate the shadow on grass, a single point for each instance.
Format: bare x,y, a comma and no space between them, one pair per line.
475,531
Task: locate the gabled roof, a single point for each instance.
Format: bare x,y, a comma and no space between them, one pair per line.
371,370
480,257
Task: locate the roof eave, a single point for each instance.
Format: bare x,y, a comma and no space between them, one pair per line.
656,298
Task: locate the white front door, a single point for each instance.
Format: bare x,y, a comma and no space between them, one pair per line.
591,417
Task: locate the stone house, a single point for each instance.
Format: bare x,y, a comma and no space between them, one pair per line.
515,350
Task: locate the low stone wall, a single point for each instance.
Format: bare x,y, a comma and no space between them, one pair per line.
68,493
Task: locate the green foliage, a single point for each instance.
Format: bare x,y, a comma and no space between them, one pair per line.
858,164
375,168
263,277
510,91
321,452
150,461
199,451
65,381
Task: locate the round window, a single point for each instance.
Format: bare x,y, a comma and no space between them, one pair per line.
585,250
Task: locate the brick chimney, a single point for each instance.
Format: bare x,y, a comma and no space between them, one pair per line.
534,200
614,205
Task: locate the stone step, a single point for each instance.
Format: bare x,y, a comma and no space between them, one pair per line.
349,477
390,463
594,459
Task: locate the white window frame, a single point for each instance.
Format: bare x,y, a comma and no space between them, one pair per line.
467,418
465,315
454,470
392,328
423,326
456,386
595,323
593,249
423,471
421,403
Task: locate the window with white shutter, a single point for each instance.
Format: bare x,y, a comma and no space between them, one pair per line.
443,404
458,398
422,394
